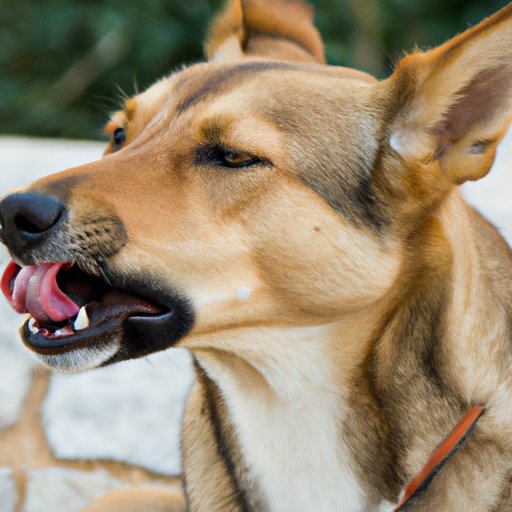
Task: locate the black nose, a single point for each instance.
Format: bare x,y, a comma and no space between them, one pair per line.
28,218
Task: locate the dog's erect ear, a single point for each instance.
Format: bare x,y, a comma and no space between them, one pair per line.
453,104
272,29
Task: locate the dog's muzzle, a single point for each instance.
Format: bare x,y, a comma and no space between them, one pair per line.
74,298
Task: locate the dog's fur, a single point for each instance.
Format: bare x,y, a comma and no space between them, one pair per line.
349,306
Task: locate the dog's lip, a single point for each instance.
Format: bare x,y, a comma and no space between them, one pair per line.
126,335
110,330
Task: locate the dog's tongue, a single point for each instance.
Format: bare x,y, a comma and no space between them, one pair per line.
35,290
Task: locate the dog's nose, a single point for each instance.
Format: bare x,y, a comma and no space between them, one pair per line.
28,218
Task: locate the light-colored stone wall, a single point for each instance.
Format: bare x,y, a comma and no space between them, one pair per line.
64,440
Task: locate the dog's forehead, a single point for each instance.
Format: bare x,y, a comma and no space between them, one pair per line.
263,79
204,83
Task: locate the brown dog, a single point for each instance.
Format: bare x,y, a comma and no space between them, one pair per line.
299,229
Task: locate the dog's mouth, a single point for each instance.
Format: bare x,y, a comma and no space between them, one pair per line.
72,309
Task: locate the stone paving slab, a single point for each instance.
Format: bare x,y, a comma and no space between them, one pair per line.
130,412
15,366
66,490
8,494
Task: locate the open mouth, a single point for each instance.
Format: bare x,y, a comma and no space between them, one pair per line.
71,309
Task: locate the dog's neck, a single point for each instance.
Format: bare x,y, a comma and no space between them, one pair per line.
437,354
282,388
361,387
479,320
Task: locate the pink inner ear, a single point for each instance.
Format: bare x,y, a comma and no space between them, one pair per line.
478,102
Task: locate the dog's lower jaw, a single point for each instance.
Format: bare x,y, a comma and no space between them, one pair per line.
80,359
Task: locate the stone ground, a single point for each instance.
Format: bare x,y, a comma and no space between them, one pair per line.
65,440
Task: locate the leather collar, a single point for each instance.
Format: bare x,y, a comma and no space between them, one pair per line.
442,454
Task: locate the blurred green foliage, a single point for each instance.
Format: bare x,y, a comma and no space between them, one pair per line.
65,65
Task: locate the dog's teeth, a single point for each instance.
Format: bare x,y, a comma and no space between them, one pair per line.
65,331
82,320
32,326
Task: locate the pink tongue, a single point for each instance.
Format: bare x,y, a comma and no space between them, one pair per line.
36,291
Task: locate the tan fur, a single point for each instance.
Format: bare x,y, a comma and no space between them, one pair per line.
263,28
349,306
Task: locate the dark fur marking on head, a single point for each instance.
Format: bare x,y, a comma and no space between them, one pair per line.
344,179
358,202
220,78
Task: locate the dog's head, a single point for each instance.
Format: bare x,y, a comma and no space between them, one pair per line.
259,188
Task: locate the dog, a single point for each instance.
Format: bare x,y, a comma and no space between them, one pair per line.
298,227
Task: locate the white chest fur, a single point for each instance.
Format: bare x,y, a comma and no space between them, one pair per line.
289,433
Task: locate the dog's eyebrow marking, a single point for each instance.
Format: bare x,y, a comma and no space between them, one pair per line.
121,117
211,84
212,130
130,106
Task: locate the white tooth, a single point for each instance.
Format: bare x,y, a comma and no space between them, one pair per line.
31,326
82,320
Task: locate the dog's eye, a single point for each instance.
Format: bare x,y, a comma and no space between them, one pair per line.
118,139
225,157
234,159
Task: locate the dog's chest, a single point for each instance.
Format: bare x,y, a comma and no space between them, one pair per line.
293,449
294,453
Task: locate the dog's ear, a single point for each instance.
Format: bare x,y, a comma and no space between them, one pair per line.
453,104
272,29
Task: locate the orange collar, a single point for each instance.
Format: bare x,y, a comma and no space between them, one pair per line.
442,454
